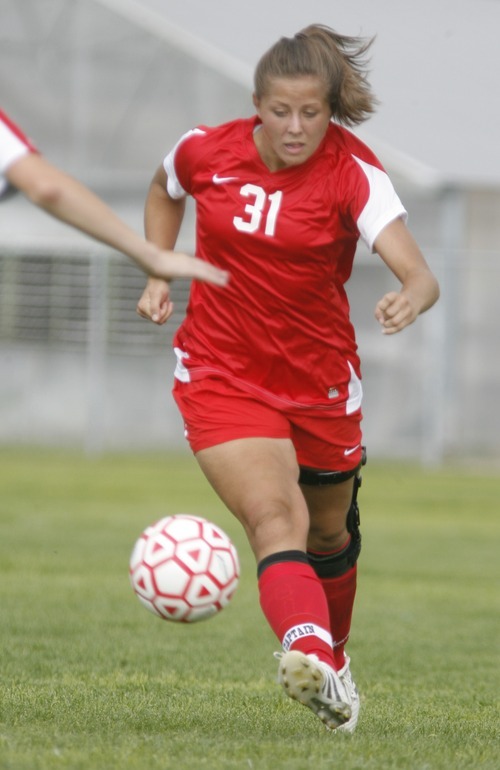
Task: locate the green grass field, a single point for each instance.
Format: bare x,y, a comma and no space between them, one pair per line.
91,681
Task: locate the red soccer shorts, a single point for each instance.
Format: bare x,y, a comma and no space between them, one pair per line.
215,411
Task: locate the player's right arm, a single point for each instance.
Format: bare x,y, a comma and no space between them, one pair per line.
162,221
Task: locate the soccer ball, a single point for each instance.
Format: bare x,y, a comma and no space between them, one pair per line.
184,568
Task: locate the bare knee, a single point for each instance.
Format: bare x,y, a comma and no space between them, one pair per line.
327,539
328,508
276,525
257,480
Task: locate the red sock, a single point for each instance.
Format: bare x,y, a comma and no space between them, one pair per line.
295,606
340,593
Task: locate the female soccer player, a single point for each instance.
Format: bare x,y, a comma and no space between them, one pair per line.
65,198
268,376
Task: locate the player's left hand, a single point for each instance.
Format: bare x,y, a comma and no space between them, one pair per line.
395,311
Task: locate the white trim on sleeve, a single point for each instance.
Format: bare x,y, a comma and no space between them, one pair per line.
383,204
174,187
12,148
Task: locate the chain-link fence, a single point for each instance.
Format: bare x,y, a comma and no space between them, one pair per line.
79,367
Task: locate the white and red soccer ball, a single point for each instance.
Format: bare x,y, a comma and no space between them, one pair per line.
184,568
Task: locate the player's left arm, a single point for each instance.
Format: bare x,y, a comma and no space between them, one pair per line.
419,287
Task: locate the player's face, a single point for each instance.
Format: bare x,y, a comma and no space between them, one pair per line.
295,115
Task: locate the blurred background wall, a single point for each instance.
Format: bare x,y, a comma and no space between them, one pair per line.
105,87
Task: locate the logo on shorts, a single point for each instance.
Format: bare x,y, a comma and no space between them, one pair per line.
333,393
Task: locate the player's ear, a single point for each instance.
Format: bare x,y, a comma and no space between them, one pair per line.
256,103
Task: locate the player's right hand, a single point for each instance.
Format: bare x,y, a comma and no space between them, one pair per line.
155,304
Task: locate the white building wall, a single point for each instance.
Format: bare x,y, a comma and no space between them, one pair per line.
106,100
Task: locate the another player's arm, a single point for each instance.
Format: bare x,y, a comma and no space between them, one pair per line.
162,221
419,287
70,201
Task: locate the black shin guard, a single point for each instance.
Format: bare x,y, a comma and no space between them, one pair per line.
338,563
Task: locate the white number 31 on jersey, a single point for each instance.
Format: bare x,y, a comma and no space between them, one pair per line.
255,210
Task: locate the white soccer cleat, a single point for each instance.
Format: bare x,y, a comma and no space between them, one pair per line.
313,683
353,696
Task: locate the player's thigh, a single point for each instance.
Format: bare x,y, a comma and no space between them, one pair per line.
242,444
257,479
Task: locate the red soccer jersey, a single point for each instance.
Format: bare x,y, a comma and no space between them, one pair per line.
13,145
288,238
